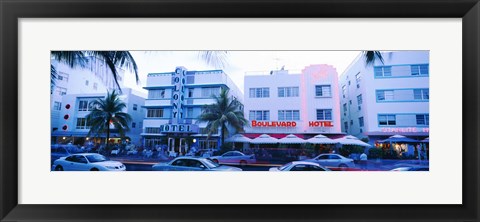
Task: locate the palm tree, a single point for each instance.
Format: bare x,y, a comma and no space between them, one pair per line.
224,113
112,59
372,56
107,112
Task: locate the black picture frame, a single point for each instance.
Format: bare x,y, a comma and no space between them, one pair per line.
12,10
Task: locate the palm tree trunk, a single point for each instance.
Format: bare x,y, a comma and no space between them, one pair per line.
222,134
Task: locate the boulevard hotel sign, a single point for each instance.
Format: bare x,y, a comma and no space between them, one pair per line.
255,123
178,100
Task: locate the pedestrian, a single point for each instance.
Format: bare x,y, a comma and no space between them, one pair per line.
363,161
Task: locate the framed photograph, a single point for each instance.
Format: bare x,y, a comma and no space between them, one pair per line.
362,91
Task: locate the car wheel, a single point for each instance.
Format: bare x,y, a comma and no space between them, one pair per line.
243,162
343,165
94,169
215,160
59,168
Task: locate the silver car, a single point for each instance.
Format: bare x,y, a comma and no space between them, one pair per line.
234,157
192,164
300,166
333,160
87,162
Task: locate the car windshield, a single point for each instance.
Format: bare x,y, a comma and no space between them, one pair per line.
211,164
96,158
284,166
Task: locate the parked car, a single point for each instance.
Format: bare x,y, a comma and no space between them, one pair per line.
411,168
234,157
86,162
192,164
58,151
333,160
300,166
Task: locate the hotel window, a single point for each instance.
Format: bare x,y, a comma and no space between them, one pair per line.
419,70
86,82
345,109
324,114
345,124
350,101
421,94
190,93
134,124
351,122
385,95
190,112
95,86
208,92
60,91
82,105
259,92
91,105
359,101
140,125
153,130
62,76
383,71
82,123
259,115
358,79
155,113
323,91
360,122
344,91
387,120
423,119
288,115
57,105
287,91
135,107
156,94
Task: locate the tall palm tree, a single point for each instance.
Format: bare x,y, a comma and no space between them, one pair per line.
107,112
372,56
112,59
224,113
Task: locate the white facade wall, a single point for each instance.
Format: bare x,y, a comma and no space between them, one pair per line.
306,103
196,86
94,78
128,96
401,81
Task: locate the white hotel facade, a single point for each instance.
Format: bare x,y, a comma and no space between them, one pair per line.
75,89
384,99
175,100
304,103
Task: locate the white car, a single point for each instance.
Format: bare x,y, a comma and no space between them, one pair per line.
300,166
192,164
333,160
87,162
234,157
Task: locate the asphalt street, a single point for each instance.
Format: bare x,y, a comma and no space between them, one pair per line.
148,167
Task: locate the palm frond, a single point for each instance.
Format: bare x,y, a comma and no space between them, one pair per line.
372,56
217,59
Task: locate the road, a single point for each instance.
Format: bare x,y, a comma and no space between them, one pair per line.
148,167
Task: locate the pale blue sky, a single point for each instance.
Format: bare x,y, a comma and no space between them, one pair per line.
238,62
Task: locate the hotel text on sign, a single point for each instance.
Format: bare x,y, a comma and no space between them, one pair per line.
290,123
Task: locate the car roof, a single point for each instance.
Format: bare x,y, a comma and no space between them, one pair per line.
305,162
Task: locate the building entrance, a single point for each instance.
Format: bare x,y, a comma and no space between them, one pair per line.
177,146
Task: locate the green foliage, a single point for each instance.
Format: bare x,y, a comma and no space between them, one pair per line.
375,153
107,112
346,150
224,113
